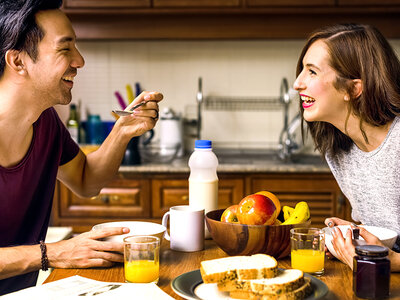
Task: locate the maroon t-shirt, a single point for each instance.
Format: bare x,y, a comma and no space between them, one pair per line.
27,189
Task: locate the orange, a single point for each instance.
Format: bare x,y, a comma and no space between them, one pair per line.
273,198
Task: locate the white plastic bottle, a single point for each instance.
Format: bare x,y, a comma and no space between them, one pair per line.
203,179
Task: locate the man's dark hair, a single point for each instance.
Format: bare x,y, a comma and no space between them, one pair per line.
18,28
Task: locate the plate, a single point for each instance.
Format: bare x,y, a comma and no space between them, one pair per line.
190,286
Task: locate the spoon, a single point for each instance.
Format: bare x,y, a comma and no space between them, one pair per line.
123,113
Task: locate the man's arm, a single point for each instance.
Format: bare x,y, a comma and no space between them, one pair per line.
86,175
83,251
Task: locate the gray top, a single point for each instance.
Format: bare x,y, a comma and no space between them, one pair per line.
371,181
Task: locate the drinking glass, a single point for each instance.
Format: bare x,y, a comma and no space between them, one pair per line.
308,250
141,259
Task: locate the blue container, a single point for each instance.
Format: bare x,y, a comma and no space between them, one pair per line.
94,130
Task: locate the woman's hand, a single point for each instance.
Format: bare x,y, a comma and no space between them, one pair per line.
344,246
333,221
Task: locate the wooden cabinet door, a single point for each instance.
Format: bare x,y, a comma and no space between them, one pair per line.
368,2
121,199
106,3
286,3
171,192
195,3
320,191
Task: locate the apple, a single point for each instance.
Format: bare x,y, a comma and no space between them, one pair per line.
257,209
230,214
274,198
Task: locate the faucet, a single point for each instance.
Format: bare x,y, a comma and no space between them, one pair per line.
287,144
199,98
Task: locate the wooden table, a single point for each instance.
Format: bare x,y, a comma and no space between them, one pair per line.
338,276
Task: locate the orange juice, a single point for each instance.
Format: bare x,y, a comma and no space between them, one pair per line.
308,260
141,271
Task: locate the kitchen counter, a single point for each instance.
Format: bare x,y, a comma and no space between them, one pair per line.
240,163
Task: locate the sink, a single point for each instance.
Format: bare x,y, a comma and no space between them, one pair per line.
258,156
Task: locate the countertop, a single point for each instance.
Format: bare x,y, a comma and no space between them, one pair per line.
312,164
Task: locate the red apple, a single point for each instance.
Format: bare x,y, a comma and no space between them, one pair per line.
230,214
257,209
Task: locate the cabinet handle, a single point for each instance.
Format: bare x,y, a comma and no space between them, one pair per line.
340,204
185,198
105,199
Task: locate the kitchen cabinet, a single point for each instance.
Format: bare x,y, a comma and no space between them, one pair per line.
170,192
290,3
369,2
106,4
148,196
224,19
196,3
320,191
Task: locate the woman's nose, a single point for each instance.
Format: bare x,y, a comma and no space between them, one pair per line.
298,83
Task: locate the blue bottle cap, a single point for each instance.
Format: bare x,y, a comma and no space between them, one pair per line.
202,144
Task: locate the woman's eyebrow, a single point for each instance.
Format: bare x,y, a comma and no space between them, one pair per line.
309,65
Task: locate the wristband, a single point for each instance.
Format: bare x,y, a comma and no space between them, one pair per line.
44,260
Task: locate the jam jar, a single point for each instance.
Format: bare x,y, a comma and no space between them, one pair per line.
371,272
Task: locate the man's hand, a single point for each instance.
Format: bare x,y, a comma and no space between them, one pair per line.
87,250
143,118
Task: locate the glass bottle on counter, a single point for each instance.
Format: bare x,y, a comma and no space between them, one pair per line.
73,123
203,179
371,272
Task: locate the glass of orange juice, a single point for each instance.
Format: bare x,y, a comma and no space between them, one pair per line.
141,259
308,250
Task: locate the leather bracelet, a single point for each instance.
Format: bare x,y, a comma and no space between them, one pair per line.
44,260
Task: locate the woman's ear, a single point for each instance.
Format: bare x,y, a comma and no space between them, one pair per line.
14,61
357,88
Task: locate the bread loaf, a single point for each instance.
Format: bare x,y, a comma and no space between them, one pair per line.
284,281
298,294
257,266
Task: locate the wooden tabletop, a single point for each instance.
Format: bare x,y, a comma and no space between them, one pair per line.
338,276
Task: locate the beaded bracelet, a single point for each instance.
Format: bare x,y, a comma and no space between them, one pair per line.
44,260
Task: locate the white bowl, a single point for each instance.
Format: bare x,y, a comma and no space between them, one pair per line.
136,228
387,236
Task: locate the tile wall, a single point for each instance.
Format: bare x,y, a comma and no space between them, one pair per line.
228,68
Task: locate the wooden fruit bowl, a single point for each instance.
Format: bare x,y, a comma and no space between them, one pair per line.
240,239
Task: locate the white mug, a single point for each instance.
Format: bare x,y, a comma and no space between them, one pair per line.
186,228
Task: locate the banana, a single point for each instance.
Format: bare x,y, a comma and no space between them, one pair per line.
287,211
300,214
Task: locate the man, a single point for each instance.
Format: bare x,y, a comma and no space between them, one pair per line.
38,63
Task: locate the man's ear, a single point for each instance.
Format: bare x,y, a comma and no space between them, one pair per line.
357,88
15,61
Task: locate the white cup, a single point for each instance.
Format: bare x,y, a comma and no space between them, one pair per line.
186,228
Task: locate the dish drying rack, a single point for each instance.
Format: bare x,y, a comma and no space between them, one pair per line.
236,103
224,103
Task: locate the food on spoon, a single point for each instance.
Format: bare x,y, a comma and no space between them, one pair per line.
257,209
230,214
274,199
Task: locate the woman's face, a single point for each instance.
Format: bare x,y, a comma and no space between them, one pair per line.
320,99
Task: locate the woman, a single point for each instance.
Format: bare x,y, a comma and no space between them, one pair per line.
348,78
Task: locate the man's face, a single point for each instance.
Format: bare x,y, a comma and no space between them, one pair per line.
58,58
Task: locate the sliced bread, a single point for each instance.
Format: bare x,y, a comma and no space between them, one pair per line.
285,281
256,266
298,294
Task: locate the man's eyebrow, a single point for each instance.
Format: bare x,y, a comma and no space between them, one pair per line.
65,39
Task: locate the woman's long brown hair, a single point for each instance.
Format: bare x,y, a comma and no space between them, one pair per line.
357,52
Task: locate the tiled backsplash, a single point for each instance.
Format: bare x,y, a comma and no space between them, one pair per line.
228,68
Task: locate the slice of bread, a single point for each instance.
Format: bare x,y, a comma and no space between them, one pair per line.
298,294
256,266
285,281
